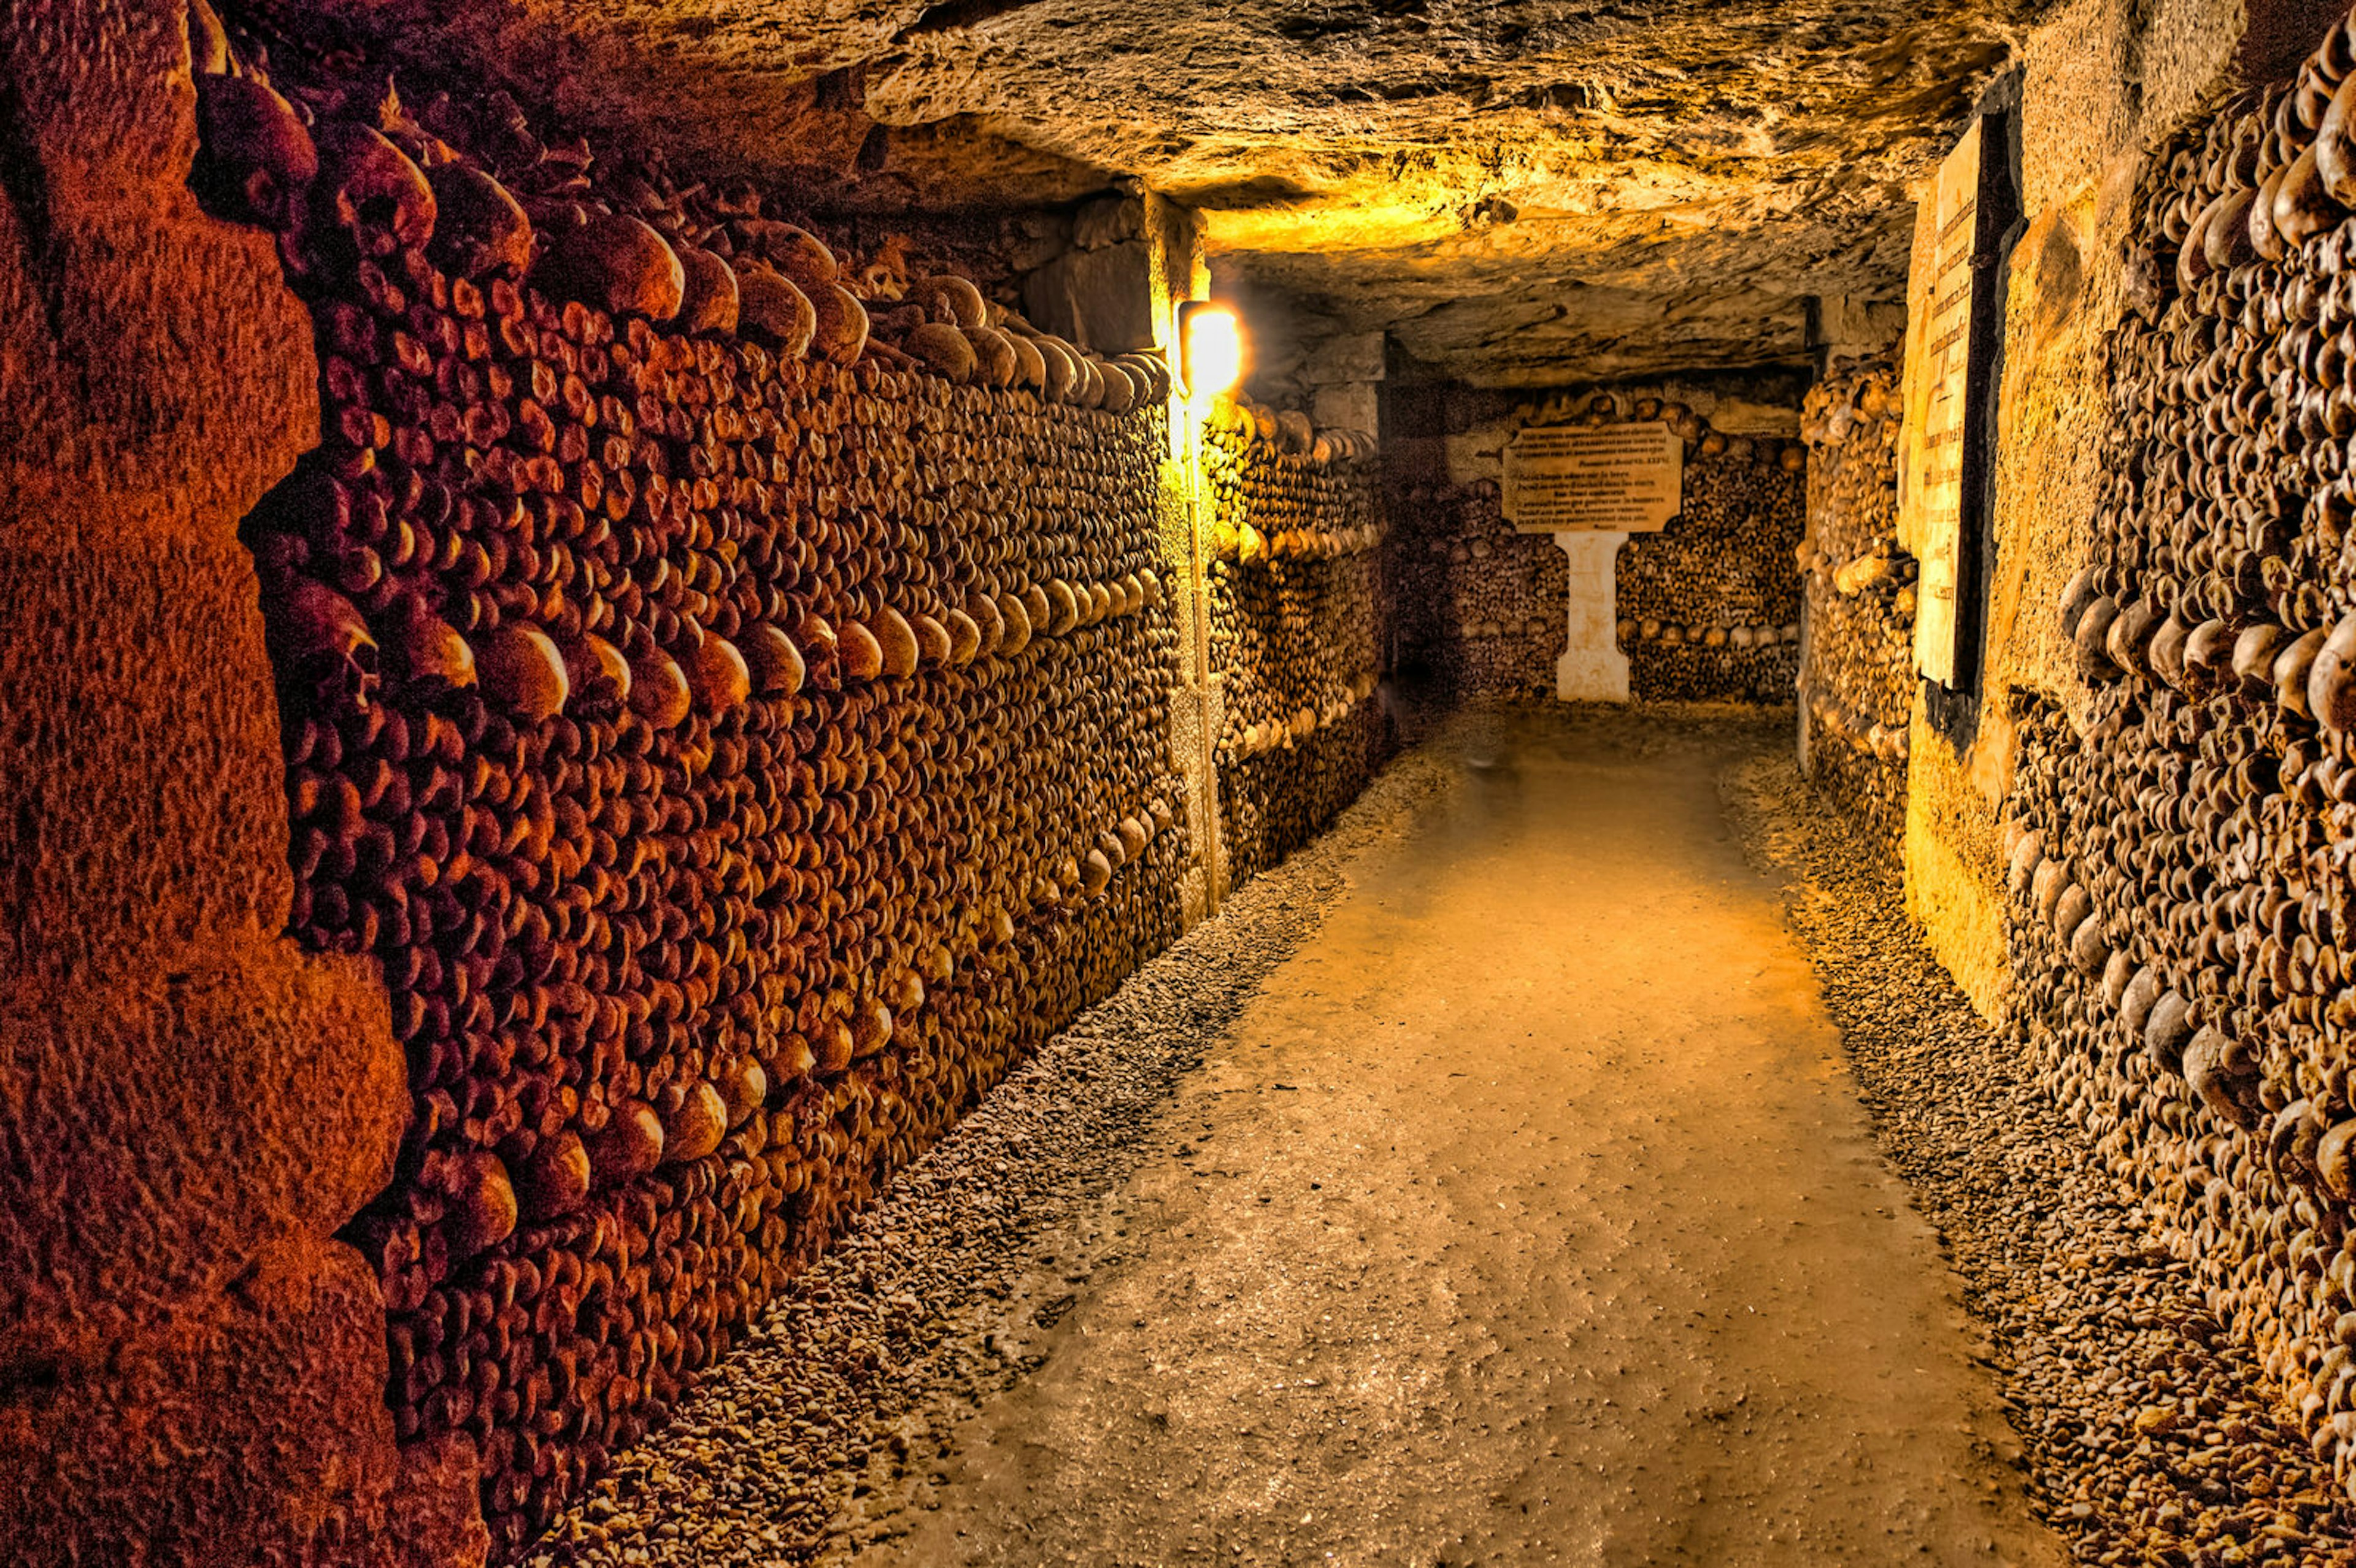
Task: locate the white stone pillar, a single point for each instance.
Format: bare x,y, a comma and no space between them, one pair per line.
1592,669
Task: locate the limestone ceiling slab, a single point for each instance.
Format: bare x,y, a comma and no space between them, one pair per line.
1518,190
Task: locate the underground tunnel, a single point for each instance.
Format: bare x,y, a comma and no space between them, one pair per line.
1023,782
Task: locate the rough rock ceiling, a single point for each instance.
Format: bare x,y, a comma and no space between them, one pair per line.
1522,192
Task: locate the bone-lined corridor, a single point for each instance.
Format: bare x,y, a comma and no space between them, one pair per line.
1020,781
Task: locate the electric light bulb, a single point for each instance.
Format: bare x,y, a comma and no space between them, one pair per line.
1214,347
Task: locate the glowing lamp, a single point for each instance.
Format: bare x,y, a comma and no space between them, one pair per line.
1211,350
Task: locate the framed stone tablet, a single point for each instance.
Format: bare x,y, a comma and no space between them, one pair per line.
1954,312
1616,478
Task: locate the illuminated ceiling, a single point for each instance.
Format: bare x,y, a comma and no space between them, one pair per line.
1520,192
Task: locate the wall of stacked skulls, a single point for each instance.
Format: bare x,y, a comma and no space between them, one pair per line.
1478,606
1710,606
2180,896
726,686
1857,682
1298,614
1707,609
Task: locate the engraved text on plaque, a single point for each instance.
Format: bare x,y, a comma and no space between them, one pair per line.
1618,478
1938,363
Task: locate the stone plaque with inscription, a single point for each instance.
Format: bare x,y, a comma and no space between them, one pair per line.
1616,478
1938,371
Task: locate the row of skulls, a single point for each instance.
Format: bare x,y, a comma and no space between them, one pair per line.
1717,576
2180,838
1297,609
1857,680
737,739
1480,606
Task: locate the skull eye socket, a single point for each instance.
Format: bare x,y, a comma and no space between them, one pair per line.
382,213
263,196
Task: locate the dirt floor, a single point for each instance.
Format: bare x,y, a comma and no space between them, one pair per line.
1486,1186
1527,1215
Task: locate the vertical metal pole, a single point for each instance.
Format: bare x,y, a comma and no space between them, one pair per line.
1199,588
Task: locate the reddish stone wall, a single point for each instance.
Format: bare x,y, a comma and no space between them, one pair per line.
191,1366
788,935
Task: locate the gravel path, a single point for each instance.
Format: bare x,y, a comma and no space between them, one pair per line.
2150,1437
1526,1216
842,1425
849,1393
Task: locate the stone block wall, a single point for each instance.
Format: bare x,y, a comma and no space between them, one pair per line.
1298,613
1857,678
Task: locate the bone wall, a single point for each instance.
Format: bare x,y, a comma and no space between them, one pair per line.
2104,81
723,719
2178,898
1298,611
737,751
685,970
1856,680
1710,606
1707,609
1479,607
